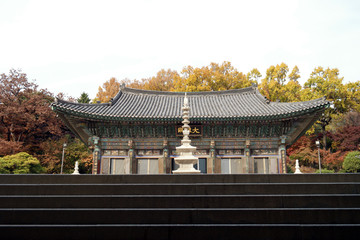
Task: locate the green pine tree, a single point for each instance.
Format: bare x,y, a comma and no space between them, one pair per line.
84,98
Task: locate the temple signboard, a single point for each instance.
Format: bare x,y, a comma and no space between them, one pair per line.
195,131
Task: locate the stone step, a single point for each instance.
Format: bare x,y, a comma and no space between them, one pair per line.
181,231
180,216
252,206
182,201
180,189
183,178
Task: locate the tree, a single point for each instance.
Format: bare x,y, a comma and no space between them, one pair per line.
292,89
226,77
27,122
353,89
332,160
108,90
138,84
163,81
84,98
342,120
192,80
346,138
76,151
25,116
304,150
352,162
20,163
254,75
328,83
278,86
214,77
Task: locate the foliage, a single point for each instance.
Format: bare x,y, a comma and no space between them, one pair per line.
352,162
324,170
289,169
51,155
65,97
78,151
346,138
305,151
332,160
163,81
108,90
27,122
328,83
353,96
279,86
214,77
254,75
25,116
351,118
84,98
20,163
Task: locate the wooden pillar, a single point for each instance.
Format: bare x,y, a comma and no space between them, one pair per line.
133,162
249,159
165,159
282,155
217,166
216,160
211,160
96,155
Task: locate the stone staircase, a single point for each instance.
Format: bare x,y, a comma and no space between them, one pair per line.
159,207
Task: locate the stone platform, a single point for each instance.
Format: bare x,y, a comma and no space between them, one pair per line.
252,206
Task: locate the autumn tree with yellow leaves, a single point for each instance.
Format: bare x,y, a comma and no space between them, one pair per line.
214,77
279,86
108,90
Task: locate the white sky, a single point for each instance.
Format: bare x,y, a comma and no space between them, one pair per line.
75,46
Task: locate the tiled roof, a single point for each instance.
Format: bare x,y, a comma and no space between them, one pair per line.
134,104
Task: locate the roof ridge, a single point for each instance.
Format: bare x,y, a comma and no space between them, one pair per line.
321,99
116,98
202,93
58,100
261,97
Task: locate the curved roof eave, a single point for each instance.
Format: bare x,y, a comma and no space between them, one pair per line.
239,104
194,118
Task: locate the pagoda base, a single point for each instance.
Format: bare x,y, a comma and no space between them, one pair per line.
185,171
186,165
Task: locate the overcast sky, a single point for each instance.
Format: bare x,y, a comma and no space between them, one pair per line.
75,46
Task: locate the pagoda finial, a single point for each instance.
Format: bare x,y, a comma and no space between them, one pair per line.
185,109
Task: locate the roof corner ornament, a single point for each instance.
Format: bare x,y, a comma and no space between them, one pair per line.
186,160
122,86
267,100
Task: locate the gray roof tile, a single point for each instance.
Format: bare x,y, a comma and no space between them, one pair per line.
139,104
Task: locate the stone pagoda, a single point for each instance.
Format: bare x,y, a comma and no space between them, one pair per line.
186,159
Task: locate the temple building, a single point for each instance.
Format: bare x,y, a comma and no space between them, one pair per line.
235,131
